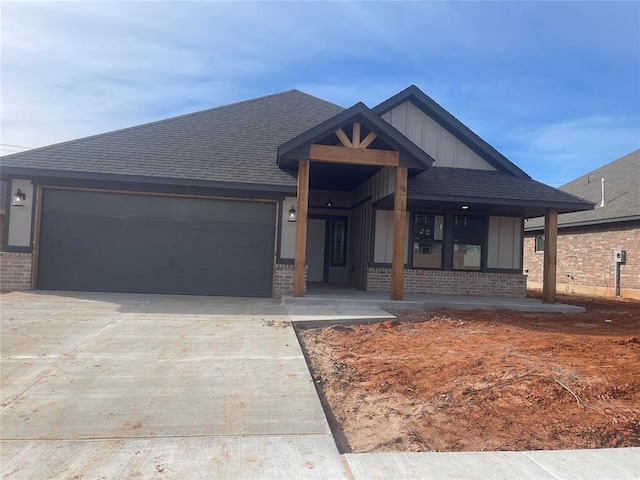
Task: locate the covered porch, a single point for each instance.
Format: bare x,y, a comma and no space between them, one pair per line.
357,159
372,215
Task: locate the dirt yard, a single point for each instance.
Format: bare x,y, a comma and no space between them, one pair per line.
482,380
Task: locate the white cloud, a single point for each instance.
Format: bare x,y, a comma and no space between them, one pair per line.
573,147
71,69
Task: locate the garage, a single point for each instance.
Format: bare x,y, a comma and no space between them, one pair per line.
127,242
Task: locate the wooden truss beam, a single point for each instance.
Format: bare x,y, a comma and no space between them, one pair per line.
368,139
343,138
354,156
355,140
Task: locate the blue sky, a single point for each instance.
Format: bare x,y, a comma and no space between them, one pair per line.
554,86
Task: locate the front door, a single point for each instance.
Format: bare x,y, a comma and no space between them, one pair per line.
316,232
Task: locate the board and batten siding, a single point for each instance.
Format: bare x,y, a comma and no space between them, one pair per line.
434,139
383,239
288,229
19,234
375,188
504,249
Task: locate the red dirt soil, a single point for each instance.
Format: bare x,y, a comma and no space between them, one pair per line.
482,380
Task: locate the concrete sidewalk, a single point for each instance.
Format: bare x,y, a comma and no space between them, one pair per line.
117,386
605,464
351,299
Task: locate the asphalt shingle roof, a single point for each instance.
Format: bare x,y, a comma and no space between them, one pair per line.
232,143
622,194
488,186
238,144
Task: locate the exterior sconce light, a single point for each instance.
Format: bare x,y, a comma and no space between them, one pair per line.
292,215
19,198
465,207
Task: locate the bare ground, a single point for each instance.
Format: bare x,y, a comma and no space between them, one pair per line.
482,380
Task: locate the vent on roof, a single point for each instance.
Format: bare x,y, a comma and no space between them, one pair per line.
603,202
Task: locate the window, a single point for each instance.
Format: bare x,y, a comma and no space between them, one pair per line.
539,243
339,242
468,240
427,240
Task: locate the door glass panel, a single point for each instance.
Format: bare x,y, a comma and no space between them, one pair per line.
339,242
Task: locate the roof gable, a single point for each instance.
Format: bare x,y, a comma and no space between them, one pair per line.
454,126
388,138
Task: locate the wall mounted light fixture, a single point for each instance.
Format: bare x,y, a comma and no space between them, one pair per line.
19,198
292,215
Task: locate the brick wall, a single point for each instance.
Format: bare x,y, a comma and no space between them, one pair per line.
585,259
15,271
439,282
283,280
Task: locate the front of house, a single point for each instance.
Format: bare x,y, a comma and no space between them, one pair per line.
270,196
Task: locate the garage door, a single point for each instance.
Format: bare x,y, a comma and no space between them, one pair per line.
114,242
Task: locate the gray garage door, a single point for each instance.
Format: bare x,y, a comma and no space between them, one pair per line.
114,242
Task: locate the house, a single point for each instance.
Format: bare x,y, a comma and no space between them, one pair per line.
268,196
589,241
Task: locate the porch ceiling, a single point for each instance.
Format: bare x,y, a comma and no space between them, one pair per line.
337,176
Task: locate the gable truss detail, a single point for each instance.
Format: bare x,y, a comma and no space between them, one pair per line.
355,142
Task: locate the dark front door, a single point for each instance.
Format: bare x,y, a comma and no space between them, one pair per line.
119,242
316,235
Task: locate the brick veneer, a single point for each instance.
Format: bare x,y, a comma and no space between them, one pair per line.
15,271
585,259
283,280
439,282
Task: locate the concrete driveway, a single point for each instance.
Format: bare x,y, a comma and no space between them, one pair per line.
148,386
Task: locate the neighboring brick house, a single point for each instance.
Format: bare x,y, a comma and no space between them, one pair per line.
251,199
587,240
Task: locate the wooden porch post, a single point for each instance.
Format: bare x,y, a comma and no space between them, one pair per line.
550,255
301,228
399,229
